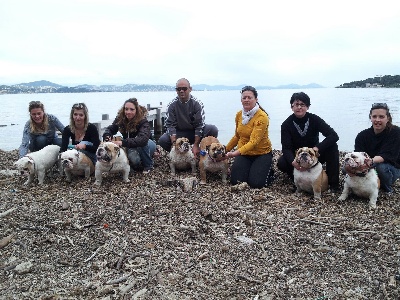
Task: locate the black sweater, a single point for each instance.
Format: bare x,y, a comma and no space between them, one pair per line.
385,144
292,140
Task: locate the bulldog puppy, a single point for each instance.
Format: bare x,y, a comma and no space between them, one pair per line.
314,179
181,156
212,153
111,159
75,162
361,179
37,163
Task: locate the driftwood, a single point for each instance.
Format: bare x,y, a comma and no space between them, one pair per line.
152,239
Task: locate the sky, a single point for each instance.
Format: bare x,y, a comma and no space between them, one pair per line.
216,42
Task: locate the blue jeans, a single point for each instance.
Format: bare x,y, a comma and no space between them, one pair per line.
142,155
38,142
387,174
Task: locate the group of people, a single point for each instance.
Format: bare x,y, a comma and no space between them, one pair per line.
250,145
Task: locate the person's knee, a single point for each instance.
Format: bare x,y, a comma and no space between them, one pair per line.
210,130
134,157
165,142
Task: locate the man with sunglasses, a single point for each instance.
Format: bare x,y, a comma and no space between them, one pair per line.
185,118
302,129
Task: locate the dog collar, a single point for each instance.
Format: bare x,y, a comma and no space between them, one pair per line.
363,173
316,164
203,152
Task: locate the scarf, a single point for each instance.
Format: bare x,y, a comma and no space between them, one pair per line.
247,115
302,132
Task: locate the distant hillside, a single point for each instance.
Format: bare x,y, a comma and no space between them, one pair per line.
386,81
40,83
44,86
206,87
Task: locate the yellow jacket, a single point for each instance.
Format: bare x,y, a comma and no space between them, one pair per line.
252,138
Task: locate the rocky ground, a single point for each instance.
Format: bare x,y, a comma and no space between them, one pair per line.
148,239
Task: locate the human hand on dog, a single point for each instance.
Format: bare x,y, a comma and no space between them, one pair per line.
196,150
80,146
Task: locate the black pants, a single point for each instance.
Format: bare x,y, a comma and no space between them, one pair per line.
330,157
255,170
165,141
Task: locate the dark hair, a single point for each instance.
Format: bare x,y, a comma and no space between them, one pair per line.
303,97
249,88
78,106
384,106
130,125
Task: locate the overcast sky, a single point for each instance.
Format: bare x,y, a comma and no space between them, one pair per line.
272,43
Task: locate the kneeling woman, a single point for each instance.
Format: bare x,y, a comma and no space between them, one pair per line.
82,135
253,157
132,123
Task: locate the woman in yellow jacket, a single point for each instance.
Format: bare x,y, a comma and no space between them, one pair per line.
253,155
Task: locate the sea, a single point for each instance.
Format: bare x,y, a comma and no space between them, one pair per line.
345,110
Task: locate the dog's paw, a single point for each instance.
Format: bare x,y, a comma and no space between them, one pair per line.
342,198
203,182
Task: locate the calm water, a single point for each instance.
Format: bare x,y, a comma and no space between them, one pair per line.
346,110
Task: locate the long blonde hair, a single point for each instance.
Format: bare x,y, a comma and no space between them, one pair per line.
38,128
78,106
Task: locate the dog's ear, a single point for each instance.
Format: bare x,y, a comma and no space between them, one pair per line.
316,153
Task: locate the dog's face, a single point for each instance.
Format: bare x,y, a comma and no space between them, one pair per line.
70,158
356,161
306,157
25,166
216,150
107,152
182,145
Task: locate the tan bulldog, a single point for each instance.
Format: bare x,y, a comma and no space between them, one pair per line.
314,179
361,179
77,163
181,156
212,154
111,159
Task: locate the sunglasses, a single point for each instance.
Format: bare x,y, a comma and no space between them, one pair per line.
379,105
79,105
248,88
184,88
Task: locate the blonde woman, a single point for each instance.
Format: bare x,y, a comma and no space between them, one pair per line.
40,130
80,134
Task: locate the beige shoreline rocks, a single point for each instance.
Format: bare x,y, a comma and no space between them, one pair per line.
151,240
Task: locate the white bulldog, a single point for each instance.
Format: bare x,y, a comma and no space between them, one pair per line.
76,162
37,163
181,156
111,159
361,179
314,179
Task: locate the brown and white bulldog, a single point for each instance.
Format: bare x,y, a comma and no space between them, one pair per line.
212,154
111,159
314,179
181,156
361,179
75,162
37,163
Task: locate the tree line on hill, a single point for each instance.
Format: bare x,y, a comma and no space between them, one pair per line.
386,81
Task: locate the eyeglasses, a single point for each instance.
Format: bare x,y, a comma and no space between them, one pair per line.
302,105
184,88
379,105
79,105
248,88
